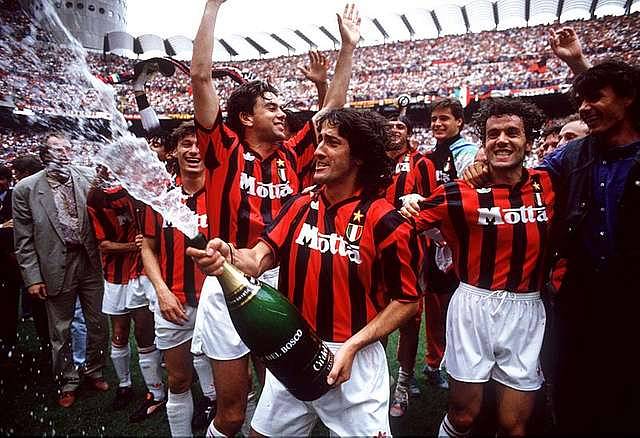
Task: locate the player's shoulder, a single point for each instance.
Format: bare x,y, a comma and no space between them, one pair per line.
384,216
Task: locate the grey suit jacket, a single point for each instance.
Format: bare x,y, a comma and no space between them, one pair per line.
40,248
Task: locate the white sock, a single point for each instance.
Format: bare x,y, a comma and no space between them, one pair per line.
447,429
121,358
149,360
179,412
205,375
212,432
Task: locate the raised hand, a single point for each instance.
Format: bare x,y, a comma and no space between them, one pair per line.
316,71
566,46
349,25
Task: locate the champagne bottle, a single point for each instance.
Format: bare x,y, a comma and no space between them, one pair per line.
276,332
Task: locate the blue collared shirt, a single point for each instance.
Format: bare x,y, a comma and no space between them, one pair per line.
610,172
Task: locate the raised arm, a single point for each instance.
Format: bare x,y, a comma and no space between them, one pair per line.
349,25
316,72
206,103
566,46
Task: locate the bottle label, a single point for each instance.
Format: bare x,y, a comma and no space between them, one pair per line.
242,296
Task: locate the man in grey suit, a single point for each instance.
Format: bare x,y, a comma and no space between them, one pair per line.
59,260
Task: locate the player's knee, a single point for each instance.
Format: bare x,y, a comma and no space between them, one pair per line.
229,421
461,418
179,382
119,337
512,425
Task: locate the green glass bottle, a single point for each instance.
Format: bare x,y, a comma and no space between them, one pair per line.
276,332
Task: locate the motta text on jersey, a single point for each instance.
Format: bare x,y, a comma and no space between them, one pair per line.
310,237
523,214
264,190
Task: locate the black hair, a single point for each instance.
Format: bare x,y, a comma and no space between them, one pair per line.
28,164
404,119
5,173
552,128
532,117
623,78
368,135
452,104
243,99
182,130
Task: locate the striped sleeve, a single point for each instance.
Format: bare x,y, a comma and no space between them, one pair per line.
424,177
151,223
397,246
275,234
216,142
432,210
303,143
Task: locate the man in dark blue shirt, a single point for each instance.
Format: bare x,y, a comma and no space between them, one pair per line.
596,233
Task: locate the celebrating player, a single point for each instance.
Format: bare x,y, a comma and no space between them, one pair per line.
345,259
499,235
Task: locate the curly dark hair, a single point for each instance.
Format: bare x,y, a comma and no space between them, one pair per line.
243,99
532,117
368,135
623,78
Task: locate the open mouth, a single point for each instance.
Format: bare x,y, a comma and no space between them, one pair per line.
503,153
194,161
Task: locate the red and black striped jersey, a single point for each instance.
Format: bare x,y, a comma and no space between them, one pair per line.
341,264
244,190
179,272
413,174
116,217
498,235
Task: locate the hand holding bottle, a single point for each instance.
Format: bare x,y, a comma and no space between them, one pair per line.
211,258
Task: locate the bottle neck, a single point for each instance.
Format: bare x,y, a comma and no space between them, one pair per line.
237,287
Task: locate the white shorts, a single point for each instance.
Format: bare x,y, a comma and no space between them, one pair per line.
495,335
121,299
170,335
358,407
214,333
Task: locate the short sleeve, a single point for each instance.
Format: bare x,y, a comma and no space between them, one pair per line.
397,246
152,223
276,233
303,143
215,143
424,177
432,210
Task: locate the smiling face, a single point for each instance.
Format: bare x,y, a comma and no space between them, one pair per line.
398,135
505,142
334,165
603,110
267,120
444,125
188,156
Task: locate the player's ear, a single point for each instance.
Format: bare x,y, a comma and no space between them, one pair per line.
246,119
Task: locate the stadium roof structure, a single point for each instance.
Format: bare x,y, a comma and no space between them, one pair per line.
379,25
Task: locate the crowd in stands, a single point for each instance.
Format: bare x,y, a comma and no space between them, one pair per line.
511,59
